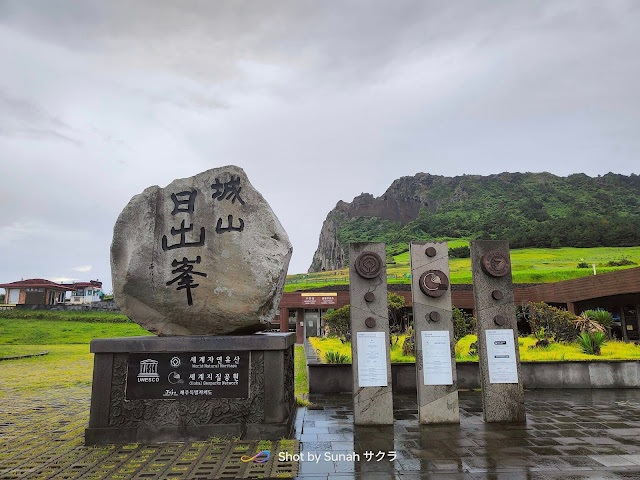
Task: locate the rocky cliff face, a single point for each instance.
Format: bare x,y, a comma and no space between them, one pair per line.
400,203
530,209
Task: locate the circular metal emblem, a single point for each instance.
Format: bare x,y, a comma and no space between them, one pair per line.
499,320
434,316
370,322
368,265
433,283
369,297
495,263
497,295
430,252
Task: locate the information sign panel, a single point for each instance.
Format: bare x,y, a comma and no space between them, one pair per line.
501,356
219,374
436,358
372,359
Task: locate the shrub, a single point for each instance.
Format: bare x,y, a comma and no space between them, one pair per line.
621,263
336,357
473,349
409,345
463,324
558,324
460,252
338,322
591,342
583,264
542,339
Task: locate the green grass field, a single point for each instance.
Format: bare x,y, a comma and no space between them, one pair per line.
46,332
613,350
69,361
530,265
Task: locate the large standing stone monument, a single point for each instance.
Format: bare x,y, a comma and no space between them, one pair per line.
201,263
205,255
496,323
370,358
434,342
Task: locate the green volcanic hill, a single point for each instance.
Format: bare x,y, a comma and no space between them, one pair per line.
529,209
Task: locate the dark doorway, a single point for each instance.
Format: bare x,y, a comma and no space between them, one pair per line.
631,322
35,296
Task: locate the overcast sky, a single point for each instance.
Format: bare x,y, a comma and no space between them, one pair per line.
317,101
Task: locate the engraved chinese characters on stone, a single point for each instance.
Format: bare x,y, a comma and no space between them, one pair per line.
205,255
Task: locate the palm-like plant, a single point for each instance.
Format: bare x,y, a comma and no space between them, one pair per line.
586,323
601,317
335,357
591,343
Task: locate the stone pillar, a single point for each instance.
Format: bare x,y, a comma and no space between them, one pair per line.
300,326
434,343
371,367
496,323
284,319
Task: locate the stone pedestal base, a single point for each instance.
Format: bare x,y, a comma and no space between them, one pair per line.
261,406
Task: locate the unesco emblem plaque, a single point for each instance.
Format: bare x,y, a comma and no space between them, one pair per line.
220,374
495,263
368,265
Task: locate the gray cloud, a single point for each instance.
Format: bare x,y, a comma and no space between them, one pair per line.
317,101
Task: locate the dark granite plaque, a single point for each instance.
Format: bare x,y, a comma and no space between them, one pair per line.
220,374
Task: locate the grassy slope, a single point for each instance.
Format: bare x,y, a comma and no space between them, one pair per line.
530,265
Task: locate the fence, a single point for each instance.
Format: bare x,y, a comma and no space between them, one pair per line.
334,279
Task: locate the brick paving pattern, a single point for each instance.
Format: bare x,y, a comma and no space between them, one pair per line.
570,434
42,435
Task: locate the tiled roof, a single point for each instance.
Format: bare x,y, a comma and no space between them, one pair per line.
35,283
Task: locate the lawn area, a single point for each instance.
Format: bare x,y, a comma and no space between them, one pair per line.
20,331
612,350
300,372
529,265
64,366
69,361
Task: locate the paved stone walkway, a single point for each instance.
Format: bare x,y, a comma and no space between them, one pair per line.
42,436
570,434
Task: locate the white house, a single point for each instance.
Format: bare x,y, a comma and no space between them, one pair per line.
86,292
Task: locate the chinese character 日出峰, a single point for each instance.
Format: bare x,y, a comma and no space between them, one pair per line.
184,203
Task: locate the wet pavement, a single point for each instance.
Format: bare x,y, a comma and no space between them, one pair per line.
569,434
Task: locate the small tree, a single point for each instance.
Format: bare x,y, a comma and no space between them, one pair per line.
396,305
463,324
339,322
